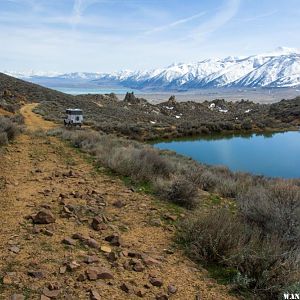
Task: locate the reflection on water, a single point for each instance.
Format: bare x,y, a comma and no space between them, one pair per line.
272,154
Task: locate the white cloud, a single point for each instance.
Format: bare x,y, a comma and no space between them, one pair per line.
223,16
176,23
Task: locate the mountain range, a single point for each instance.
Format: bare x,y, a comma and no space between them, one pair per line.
277,69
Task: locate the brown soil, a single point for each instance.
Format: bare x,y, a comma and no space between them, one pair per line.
34,172
4,112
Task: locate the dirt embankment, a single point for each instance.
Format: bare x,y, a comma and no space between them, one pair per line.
128,251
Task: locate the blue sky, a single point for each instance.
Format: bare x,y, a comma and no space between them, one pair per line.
111,35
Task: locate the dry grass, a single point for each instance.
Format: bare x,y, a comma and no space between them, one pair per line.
9,128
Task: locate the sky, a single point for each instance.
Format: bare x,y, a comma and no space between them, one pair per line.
113,35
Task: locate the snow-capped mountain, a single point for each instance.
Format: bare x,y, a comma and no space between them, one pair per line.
280,68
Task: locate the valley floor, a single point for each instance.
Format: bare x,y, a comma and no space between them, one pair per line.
42,173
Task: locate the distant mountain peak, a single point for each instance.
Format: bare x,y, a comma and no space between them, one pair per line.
282,51
278,68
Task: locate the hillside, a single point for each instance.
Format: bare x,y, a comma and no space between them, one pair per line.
15,91
137,118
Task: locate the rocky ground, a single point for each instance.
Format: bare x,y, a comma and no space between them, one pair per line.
72,232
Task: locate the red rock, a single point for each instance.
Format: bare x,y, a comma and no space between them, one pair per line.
78,236
149,261
73,265
172,289
36,274
105,274
69,241
112,257
126,288
96,222
137,265
134,254
92,243
44,217
94,295
119,204
91,259
114,240
156,281
53,294
92,274
140,293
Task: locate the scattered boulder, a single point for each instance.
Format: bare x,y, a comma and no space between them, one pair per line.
91,259
156,281
140,292
149,261
94,295
78,236
44,217
105,274
92,274
36,274
136,265
98,223
92,243
52,294
134,254
69,241
98,273
112,257
172,289
161,297
73,265
125,287
119,204
114,239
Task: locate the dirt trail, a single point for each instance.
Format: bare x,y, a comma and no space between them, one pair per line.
40,172
34,121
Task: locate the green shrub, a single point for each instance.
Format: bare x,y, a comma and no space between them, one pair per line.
178,190
264,262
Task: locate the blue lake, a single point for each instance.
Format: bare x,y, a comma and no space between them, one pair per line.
94,90
275,155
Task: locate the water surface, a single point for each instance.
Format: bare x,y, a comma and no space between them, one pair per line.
276,155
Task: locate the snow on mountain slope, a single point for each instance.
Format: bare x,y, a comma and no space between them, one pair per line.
279,68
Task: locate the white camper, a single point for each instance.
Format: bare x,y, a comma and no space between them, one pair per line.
74,117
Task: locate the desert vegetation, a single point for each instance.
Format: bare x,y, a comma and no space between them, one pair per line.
254,233
9,128
140,120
